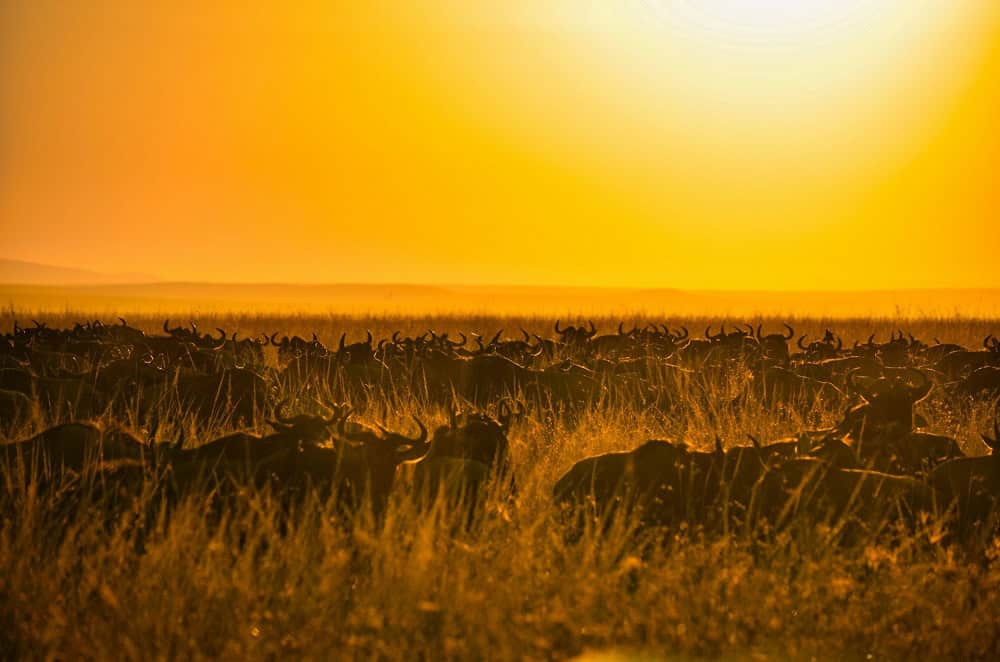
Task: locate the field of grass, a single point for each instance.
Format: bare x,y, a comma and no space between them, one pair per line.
419,587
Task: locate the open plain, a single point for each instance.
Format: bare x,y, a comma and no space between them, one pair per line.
121,557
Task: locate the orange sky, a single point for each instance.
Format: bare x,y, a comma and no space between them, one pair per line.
732,144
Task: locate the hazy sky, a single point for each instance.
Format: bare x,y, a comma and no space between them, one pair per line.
777,144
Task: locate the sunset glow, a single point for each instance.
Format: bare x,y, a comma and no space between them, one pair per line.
729,144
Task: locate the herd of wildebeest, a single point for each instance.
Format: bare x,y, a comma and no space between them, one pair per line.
877,468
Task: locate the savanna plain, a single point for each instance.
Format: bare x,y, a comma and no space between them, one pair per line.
83,577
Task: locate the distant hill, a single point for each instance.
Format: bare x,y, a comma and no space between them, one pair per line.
417,299
32,273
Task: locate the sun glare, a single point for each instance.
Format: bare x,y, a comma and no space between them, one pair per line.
794,20
762,134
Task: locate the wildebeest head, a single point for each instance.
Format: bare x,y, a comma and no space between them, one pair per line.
248,350
476,436
775,345
735,342
992,344
894,353
383,447
827,348
290,349
359,352
179,332
576,335
309,428
887,410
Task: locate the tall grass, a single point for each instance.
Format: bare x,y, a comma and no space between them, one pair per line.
81,579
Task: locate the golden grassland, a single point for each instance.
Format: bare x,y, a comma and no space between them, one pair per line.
419,587
368,299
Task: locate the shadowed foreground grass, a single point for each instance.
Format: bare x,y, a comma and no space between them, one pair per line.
76,582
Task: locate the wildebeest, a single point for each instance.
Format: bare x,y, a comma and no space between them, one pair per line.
815,491
660,483
983,382
356,465
882,427
72,446
365,464
465,454
972,485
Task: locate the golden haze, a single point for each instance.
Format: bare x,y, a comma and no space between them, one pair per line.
723,144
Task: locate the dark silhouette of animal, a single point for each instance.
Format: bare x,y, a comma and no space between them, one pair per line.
465,454
73,446
972,486
655,482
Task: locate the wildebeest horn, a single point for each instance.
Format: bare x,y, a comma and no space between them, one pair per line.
340,412
166,325
194,328
994,443
122,320
791,331
708,332
920,391
760,327
370,337
496,338
686,335
222,334
343,338
857,388
527,336
422,437
621,328
593,329
558,330
801,346
986,341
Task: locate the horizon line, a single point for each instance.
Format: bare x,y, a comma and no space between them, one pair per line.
522,286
